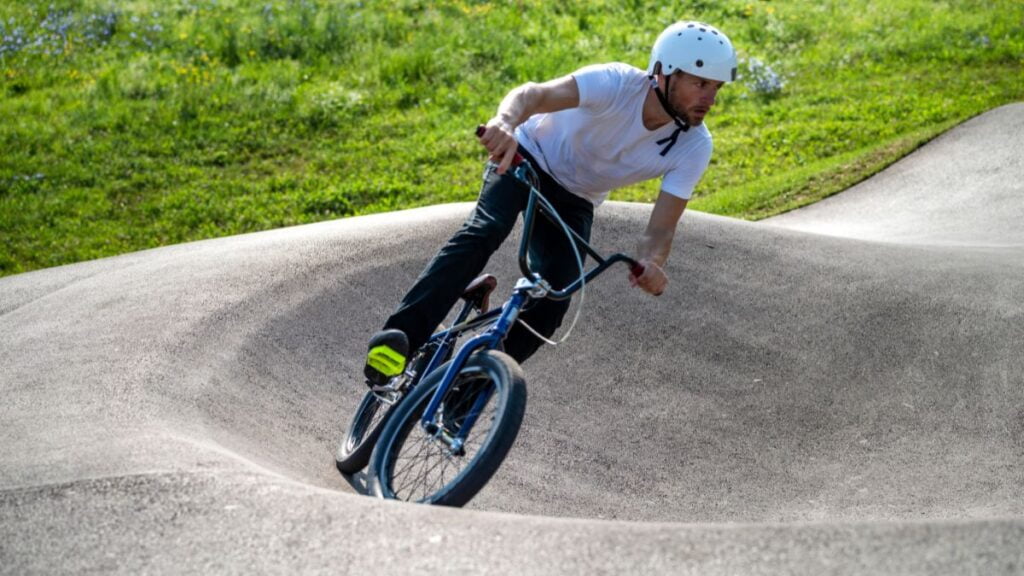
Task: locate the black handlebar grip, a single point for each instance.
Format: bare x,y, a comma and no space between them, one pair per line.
516,160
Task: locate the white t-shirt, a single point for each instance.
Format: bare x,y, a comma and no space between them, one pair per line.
603,144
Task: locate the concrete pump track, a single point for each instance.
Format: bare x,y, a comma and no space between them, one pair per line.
838,390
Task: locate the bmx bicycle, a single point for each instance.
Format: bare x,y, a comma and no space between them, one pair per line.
438,432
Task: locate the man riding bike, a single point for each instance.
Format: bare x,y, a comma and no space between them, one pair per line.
600,128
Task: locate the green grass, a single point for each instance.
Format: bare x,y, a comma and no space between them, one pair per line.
137,124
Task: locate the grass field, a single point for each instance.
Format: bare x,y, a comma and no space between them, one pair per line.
134,124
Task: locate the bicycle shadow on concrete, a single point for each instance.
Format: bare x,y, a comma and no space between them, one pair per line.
360,482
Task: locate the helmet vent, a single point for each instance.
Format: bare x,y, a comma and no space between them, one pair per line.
700,63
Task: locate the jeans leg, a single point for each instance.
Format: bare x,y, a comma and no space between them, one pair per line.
551,255
461,259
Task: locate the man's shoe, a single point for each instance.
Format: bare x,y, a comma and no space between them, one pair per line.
386,357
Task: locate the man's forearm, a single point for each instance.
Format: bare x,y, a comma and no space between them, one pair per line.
518,105
655,246
533,98
656,242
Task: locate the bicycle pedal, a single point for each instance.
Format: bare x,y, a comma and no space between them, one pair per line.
392,385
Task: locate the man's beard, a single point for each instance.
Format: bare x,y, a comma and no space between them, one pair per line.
691,121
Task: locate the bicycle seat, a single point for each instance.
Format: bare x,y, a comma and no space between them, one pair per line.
478,291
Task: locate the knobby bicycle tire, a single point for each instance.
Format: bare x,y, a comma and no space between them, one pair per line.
404,439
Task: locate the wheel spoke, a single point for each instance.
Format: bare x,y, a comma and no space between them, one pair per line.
426,467
411,460
427,448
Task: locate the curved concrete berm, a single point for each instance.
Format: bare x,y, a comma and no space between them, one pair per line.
836,391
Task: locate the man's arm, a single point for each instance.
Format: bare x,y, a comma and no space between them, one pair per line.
518,105
656,242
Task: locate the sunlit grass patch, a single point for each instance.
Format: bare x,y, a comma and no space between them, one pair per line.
134,124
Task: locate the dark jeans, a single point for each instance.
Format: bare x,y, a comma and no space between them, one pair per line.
502,199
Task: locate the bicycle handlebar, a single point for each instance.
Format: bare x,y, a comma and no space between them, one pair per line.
636,268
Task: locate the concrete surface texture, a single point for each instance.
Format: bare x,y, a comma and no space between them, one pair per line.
839,390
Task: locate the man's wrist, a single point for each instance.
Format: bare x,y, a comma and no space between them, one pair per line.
657,262
507,125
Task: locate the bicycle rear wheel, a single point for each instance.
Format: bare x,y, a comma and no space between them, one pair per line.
413,464
356,446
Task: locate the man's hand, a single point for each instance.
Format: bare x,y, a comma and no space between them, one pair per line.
500,141
652,281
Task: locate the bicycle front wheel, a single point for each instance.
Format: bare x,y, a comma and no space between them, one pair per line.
419,464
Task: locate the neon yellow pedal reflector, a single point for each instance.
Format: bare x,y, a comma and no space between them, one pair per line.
385,360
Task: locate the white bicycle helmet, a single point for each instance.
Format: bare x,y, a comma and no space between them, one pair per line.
695,48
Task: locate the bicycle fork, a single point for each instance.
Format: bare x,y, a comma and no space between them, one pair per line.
489,340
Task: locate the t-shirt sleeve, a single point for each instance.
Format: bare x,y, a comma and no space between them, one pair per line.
599,85
681,181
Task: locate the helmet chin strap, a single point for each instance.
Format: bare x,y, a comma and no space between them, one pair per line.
681,125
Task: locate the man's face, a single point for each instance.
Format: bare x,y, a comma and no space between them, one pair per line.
692,96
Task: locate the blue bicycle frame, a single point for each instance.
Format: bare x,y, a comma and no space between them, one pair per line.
529,287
